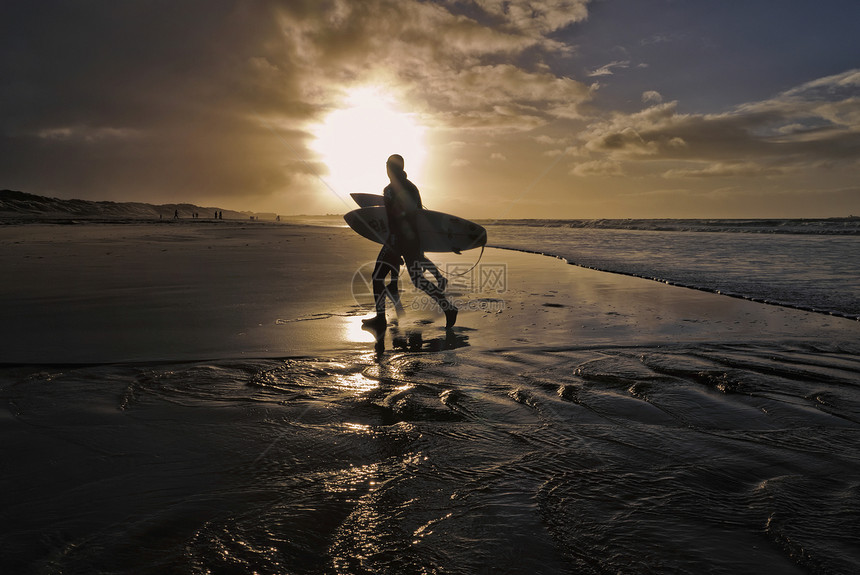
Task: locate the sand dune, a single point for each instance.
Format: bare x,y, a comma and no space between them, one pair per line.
20,206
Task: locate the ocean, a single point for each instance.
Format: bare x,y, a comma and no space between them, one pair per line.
806,264
595,423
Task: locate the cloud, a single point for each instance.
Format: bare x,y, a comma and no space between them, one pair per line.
808,124
218,98
659,39
536,18
88,134
499,92
607,70
598,168
549,140
827,104
282,58
652,96
213,97
445,63
723,170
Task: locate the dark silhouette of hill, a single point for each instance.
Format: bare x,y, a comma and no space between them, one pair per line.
21,205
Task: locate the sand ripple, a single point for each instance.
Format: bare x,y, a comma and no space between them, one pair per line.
682,459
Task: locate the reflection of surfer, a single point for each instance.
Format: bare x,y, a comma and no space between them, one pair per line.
402,203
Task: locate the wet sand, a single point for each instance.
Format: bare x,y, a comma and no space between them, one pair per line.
201,398
119,293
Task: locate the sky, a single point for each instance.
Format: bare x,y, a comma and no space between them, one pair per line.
502,109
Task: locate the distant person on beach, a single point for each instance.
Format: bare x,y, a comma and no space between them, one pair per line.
402,204
175,214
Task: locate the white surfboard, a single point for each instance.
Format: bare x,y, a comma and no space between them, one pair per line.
368,200
437,231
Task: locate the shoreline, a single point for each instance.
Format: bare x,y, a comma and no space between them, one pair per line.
689,286
119,293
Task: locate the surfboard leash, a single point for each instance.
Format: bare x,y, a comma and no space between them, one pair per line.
468,270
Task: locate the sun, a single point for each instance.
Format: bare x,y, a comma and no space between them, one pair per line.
354,142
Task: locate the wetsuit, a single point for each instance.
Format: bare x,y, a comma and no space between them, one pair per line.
402,205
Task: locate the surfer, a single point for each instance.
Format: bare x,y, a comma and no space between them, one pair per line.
402,203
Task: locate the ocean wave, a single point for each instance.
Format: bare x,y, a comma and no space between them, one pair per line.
810,272
818,226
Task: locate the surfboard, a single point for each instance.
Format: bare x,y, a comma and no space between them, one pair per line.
368,200
438,231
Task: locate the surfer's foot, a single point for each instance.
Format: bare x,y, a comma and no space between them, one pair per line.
450,317
375,322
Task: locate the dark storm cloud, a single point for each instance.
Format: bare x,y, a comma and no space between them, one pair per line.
107,98
125,64
140,99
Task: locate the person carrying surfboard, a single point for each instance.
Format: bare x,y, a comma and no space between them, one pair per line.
402,204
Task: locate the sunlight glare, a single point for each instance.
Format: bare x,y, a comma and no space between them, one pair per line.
355,141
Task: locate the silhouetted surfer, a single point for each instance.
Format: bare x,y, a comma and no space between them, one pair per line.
402,204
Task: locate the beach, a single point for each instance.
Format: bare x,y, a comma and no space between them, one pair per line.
200,397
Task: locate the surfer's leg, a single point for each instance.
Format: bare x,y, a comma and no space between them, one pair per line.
387,263
381,269
416,274
431,267
392,290
415,264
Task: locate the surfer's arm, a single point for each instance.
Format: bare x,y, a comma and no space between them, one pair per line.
388,202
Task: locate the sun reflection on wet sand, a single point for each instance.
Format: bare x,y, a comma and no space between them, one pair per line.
356,383
365,537
352,331
357,428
